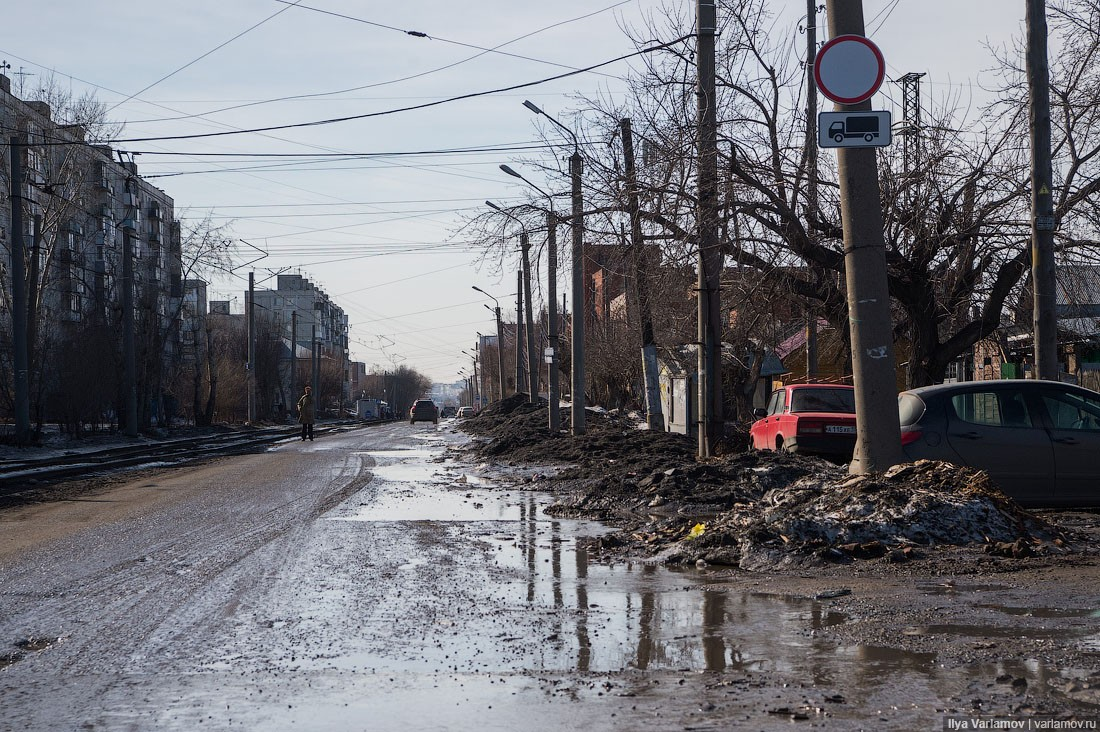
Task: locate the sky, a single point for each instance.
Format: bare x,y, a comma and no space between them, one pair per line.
371,209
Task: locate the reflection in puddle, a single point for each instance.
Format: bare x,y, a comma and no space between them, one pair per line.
610,618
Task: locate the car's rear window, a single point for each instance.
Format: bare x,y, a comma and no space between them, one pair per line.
823,400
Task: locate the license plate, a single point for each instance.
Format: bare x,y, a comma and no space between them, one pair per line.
840,429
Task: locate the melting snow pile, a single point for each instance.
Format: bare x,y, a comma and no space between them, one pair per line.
753,509
828,516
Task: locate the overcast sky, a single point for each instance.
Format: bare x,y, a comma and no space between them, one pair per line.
381,235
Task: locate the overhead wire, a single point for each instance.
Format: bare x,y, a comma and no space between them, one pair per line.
200,58
411,108
419,34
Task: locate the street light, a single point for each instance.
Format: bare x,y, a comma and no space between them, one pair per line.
525,246
554,396
500,338
580,301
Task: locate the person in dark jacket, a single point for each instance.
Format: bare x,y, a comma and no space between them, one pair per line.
305,414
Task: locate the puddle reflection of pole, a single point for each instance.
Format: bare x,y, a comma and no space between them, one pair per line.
647,625
584,645
527,516
714,620
555,564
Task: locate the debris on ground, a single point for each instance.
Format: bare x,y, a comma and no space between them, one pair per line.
751,509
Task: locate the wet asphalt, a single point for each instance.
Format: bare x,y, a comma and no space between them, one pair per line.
370,581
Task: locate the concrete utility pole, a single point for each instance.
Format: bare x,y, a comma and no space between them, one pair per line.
129,356
500,350
811,172
654,416
580,284
532,355
19,297
711,413
519,335
250,371
294,352
579,277
315,362
500,339
477,384
1043,275
878,441
552,380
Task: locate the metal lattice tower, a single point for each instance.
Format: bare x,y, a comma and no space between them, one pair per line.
911,123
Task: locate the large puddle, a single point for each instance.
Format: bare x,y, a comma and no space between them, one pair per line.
649,617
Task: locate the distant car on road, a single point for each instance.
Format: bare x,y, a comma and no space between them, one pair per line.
466,412
1038,440
815,419
423,410
448,411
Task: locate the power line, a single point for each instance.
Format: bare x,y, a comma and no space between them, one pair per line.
384,113
419,34
200,58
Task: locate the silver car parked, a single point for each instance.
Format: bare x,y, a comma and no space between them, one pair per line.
1038,440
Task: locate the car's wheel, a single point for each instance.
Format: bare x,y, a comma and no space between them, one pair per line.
868,137
779,444
412,421
838,138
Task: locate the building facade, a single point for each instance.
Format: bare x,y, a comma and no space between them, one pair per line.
300,314
85,215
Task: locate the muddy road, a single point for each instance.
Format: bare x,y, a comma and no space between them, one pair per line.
373,580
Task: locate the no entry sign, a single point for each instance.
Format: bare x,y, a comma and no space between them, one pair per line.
849,69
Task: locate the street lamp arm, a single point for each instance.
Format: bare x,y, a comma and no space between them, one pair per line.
509,214
483,292
536,110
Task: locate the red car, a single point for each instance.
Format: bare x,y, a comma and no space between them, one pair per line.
815,419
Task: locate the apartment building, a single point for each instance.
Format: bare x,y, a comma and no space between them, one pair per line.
303,314
83,207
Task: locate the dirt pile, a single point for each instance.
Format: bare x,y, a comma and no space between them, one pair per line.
755,510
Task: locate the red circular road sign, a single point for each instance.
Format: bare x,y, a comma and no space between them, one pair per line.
849,69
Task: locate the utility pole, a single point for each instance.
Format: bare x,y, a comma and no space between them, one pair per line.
32,288
553,380
576,167
251,366
1043,275
811,173
477,383
532,356
315,362
654,416
878,437
500,350
129,357
19,297
294,351
711,416
519,326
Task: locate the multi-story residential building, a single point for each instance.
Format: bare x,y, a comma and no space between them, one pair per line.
80,208
303,314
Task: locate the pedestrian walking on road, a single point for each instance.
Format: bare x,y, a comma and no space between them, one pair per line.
305,414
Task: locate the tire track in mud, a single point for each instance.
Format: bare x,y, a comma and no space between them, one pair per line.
120,596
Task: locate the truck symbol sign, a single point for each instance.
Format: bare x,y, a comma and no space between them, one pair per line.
853,129
865,126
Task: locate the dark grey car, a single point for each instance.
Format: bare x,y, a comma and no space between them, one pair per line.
1038,440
